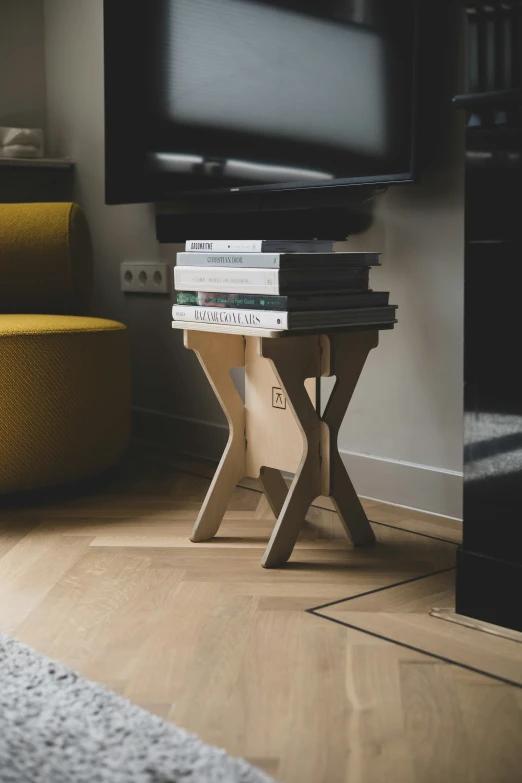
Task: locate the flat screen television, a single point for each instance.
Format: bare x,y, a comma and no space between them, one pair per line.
214,97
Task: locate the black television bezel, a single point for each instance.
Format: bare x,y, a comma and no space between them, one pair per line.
129,189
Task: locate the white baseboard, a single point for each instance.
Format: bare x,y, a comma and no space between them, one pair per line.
400,483
420,487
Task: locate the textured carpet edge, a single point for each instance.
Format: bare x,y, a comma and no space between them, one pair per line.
58,727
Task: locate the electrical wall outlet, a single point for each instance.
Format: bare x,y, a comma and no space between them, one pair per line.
144,277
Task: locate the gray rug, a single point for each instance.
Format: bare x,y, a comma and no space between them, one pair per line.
57,727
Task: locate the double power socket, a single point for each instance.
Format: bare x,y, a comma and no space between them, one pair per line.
144,277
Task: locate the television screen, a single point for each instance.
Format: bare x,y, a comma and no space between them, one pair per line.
214,96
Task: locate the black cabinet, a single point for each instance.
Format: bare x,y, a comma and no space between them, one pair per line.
26,180
489,564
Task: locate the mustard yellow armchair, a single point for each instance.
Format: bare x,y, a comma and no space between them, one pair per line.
64,378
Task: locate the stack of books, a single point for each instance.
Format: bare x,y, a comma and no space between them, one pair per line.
277,284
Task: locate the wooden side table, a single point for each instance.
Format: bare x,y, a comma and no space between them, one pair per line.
264,431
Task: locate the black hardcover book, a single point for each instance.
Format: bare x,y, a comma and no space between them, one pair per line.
490,49
482,57
516,44
473,50
268,319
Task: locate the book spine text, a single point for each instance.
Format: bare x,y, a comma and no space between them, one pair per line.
223,246
254,281
235,301
216,315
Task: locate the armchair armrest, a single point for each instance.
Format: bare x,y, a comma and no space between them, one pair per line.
45,258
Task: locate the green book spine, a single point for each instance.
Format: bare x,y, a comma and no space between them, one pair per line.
237,301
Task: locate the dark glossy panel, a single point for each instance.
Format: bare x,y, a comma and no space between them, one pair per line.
488,588
489,567
493,331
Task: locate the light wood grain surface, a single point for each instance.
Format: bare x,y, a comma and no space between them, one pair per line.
108,582
402,614
273,435
218,354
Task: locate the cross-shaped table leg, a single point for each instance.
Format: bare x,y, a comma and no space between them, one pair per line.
320,470
218,354
348,354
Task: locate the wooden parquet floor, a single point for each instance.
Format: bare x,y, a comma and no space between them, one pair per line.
107,582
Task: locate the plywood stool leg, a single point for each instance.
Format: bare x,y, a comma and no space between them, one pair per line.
348,354
274,487
218,354
293,361
302,493
319,469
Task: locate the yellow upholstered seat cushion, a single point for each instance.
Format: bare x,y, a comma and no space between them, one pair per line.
38,325
64,398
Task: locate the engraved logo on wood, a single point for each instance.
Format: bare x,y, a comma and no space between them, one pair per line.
278,398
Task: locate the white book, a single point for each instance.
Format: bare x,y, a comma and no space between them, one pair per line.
273,319
268,319
259,260
224,246
278,260
225,279
259,245
270,281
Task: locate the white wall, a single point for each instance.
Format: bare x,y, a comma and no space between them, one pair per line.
22,64
402,439
407,407
166,377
